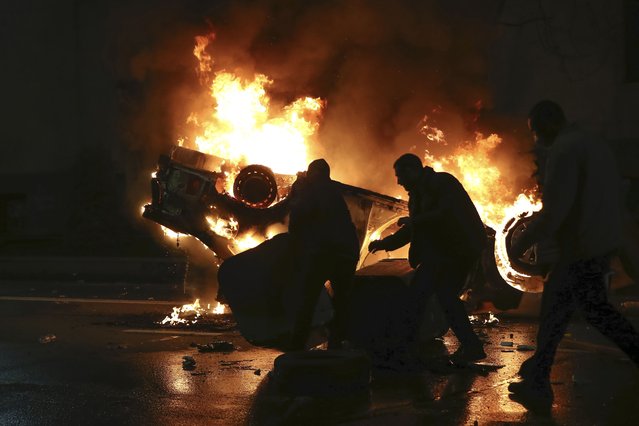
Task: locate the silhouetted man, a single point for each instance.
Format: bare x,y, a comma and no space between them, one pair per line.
446,238
582,213
325,243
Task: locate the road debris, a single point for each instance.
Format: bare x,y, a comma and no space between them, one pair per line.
525,348
239,364
188,363
47,338
507,343
217,346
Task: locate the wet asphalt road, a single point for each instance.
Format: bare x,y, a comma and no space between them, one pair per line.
110,364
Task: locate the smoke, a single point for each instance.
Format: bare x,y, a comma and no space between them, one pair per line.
382,67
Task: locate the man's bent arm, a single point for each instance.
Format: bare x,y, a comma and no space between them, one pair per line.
398,239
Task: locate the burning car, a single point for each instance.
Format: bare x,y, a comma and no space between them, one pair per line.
190,196
227,182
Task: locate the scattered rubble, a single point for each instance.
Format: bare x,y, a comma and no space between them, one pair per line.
48,338
525,348
217,346
239,364
507,343
188,363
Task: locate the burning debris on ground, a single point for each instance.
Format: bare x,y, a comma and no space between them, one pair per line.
487,318
192,313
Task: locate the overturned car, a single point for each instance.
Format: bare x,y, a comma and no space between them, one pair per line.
191,194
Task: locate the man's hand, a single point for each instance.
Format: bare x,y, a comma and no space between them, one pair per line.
375,246
403,221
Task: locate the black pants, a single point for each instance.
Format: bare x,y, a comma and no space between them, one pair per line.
445,278
312,272
580,285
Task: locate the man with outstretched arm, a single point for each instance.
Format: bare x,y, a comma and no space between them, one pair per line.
446,238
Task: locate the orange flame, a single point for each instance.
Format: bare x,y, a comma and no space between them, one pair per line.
194,310
524,206
205,61
223,228
244,128
473,165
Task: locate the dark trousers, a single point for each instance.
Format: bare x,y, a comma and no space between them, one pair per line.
312,272
580,285
445,278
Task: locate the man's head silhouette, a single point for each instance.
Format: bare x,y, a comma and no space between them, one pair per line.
318,170
408,170
545,121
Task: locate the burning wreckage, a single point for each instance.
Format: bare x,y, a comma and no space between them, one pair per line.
191,194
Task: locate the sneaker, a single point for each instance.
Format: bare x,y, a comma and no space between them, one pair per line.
534,396
466,354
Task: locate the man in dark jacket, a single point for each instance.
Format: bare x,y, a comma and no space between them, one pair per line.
582,213
325,243
446,238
